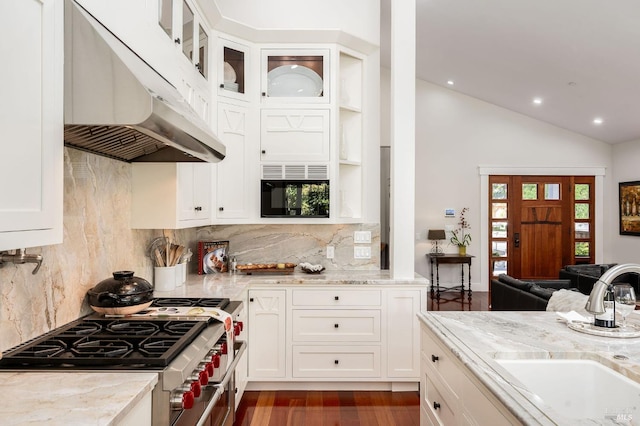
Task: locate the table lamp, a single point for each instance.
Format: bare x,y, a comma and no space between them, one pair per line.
436,235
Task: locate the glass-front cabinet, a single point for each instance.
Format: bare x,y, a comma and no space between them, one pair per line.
233,69
295,75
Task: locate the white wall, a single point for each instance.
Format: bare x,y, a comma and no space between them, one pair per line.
626,168
455,134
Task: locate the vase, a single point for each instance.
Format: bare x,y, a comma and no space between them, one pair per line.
462,250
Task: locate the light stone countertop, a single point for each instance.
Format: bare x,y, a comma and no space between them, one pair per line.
233,286
478,338
71,399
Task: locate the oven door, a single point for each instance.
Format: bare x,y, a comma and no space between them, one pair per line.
220,409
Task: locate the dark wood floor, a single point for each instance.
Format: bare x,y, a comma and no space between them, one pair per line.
347,408
328,408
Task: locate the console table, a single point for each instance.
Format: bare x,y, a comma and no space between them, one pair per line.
446,259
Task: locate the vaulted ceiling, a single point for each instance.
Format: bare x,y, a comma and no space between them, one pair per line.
579,58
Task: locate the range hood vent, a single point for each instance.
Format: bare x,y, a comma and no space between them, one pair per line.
118,106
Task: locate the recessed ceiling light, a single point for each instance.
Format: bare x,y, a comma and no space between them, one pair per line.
450,82
537,101
597,121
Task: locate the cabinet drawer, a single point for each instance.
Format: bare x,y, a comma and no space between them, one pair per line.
333,298
436,406
336,361
336,325
439,361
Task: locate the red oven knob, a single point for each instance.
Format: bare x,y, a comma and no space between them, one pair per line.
236,330
223,348
203,377
240,324
215,359
208,367
188,399
196,389
182,400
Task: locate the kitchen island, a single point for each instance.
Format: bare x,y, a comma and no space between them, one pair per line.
64,399
471,343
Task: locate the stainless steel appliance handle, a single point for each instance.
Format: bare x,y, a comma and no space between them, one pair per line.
239,350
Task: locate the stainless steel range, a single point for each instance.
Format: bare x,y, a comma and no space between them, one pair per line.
189,342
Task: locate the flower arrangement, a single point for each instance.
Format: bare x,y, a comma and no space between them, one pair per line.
460,236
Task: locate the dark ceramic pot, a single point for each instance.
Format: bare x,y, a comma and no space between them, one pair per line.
123,294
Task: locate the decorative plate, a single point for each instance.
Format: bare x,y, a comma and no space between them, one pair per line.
229,73
294,81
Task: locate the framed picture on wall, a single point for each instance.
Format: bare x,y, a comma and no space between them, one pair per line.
629,204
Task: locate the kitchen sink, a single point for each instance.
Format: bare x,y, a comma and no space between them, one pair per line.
578,389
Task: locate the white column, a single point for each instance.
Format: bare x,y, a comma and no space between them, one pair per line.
403,107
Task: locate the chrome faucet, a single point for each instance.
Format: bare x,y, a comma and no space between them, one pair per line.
595,303
19,257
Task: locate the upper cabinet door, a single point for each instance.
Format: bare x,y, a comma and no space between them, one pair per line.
295,75
31,164
233,66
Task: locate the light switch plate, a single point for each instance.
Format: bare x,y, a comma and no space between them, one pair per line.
362,252
362,237
331,252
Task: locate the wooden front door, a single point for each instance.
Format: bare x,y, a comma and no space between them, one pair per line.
540,223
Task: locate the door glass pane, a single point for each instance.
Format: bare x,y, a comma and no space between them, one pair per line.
203,51
499,191
582,249
551,191
582,230
499,267
295,76
529,191
187,31
498,210
233,70
582,191
499,230
165,16
582,211
499,249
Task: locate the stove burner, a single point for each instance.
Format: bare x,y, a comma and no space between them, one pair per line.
84,328
136,328
46,349
153,347
205,302
102,348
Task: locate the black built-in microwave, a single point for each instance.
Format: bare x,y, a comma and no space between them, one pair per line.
294,198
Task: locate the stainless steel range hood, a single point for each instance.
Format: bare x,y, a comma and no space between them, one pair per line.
117,105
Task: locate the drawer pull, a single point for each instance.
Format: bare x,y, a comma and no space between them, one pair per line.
436,405
434,358
336,297
336,325
336,362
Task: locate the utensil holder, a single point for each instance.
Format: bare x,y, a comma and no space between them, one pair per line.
181,273
164,278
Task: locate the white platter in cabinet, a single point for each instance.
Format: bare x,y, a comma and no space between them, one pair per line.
294,81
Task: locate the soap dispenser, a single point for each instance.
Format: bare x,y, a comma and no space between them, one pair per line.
608,318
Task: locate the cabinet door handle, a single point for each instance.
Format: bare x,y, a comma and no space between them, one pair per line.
177,40
222,85
336,362
221,209
336,297
198,208
434,358
264,93
251,299
264,151
336,325
436,405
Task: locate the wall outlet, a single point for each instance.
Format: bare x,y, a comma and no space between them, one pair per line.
448,228
362,237
331,252
362,252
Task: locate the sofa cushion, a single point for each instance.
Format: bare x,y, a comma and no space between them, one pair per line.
514,282
590,270
545,293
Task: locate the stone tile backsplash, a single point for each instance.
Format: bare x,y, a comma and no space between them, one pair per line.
98,240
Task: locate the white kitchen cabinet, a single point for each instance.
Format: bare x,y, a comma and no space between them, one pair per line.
234,67
170,195
234,184
241,373
267,334
299,135
296,75
31,165
404,332
449,392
